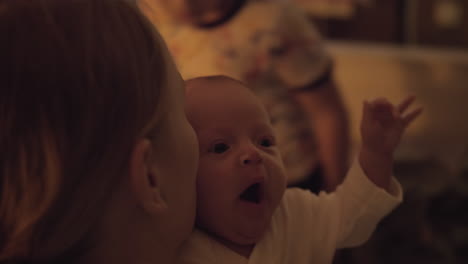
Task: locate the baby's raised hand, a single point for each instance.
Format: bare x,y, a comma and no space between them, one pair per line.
383,124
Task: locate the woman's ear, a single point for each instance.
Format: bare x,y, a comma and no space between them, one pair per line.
144,179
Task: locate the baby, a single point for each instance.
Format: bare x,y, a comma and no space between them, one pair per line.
245,214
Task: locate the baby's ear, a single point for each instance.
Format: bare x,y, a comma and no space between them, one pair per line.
144,179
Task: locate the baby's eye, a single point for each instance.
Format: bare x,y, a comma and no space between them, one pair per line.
267,142
220,148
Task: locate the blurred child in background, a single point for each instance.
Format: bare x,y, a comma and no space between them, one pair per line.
273,48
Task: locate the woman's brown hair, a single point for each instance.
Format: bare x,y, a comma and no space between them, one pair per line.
80,82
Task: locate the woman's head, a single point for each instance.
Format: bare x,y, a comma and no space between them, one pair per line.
91,121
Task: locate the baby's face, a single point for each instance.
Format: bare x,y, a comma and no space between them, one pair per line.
241,178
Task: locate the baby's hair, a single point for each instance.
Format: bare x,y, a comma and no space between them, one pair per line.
80,83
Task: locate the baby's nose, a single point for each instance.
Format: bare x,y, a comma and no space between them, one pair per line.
251,157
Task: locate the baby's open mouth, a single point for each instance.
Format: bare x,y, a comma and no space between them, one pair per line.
252,194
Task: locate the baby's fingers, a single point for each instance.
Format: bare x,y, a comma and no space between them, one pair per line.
405,104
381,109
408,118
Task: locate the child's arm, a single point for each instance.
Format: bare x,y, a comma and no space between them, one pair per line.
382,126
348,216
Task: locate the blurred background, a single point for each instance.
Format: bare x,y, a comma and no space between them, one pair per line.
393,48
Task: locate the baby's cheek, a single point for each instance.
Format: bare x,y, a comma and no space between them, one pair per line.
209,174
279,180
203,177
